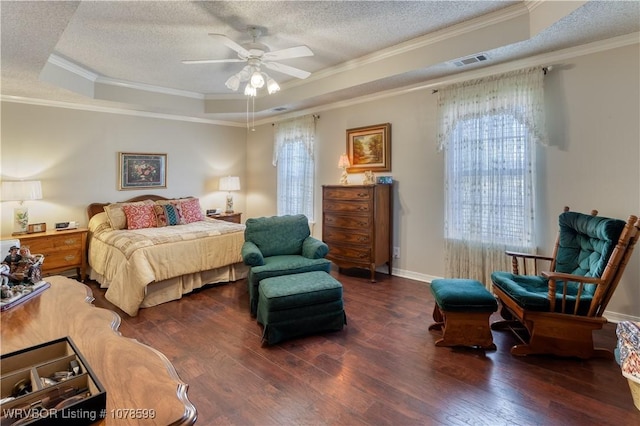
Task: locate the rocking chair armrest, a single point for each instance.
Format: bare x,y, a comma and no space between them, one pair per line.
520,259
528,255
561,276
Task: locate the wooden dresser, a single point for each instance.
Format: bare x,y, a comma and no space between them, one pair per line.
62,250
357,225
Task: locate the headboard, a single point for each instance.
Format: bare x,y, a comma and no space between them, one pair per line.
95,208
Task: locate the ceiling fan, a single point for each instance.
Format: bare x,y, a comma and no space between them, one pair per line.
256,55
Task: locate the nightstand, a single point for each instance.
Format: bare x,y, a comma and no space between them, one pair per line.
227,217
62,250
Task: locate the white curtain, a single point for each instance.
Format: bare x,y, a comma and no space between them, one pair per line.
293,155
488,129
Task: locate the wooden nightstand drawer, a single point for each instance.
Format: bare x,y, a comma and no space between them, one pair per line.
67,259
62,250
227,217
53,243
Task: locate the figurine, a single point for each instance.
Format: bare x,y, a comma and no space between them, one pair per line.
368,178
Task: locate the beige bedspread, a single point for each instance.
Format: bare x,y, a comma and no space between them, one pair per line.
130,260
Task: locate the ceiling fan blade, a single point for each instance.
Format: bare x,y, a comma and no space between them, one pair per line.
230,44
286,69
210,61
289,53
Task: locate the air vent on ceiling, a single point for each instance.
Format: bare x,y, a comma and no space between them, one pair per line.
470,60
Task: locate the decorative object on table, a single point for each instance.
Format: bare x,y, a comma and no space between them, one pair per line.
343,163
229,184
368,178
36,227
20,293
139,171
21,191
369,148
70,395
385,180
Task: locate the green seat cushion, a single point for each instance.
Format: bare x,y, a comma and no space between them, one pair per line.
531,292
299,290
462,295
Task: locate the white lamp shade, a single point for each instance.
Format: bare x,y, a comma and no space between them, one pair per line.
230,183
343,162
233,82
21,190
257,80
272,86
249,90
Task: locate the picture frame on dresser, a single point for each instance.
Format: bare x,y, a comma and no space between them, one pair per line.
369,148
141,171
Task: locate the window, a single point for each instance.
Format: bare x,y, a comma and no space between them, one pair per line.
488,129
293,157
488,171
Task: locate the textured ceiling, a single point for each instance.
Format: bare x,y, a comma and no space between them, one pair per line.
128,55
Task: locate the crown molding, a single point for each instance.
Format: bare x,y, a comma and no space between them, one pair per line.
112,110
544,59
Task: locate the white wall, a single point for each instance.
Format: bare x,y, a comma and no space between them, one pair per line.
75,155
593,106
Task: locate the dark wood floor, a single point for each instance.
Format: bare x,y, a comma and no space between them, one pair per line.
383,369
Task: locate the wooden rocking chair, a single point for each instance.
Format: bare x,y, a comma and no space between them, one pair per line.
561,308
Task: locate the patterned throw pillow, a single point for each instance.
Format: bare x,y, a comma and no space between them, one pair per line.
140,216
161,219
190,210
115,213
167,214
172,213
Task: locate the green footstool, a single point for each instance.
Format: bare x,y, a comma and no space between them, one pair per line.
299,304
462,312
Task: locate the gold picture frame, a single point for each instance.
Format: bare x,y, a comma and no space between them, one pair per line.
142,171
369,148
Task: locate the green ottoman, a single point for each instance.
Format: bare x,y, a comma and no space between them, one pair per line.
462,312
299,304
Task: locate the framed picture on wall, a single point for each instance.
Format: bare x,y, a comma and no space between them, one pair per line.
369,148
140,171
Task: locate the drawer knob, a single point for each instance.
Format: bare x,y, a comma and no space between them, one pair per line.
69,257
70,241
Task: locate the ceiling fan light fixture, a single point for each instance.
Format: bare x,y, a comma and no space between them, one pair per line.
272,86
233,83
249,90
257,80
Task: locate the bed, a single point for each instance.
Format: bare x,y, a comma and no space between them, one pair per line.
143,263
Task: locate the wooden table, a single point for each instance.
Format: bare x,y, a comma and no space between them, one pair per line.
134,375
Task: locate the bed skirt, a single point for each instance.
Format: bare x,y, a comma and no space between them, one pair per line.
160,292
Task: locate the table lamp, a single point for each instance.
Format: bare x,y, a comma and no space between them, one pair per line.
343,163
21,191
230,183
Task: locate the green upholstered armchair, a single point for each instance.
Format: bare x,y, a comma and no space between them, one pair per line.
280,245
560,308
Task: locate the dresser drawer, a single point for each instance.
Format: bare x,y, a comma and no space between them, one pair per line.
346,193
350,253
333,235
349,222
62,250
62,258
54,243
346,206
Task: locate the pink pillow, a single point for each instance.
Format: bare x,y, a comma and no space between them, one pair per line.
140,216
190,210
